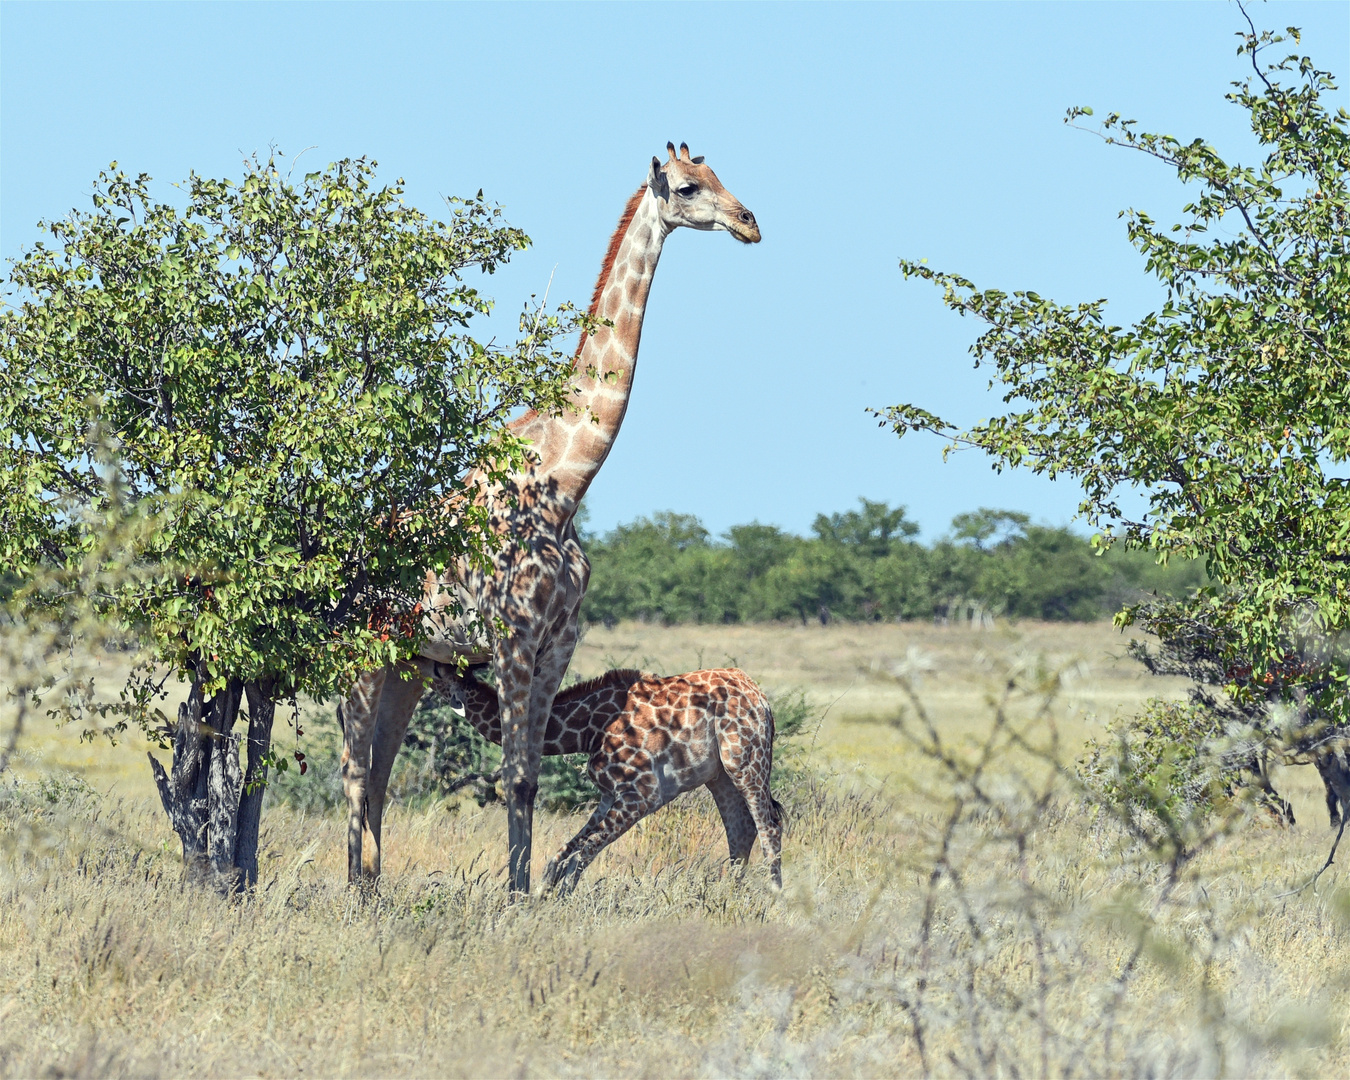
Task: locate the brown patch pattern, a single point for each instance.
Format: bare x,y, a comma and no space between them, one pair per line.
650,739
534,586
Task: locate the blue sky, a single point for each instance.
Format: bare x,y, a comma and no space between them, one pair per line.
857,134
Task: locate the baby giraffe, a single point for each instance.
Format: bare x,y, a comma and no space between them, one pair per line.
650,739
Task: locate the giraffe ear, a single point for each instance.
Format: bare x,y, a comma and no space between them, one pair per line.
656,180
698,160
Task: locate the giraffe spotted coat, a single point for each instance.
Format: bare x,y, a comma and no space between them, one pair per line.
650,739
531,593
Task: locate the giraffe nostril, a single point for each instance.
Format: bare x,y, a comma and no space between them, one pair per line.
747,217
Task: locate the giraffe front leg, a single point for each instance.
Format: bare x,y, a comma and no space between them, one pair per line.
521,752
358,716
615,815
564,866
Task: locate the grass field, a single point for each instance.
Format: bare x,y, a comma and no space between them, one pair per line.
932,919
846,669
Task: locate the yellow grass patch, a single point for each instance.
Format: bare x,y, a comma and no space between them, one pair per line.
664,964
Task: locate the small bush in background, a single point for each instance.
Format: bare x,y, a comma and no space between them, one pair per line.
316,791
1179,763
794,718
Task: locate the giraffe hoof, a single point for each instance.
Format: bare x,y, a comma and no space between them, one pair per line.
560,876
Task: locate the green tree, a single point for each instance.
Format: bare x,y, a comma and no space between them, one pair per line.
871,531
1045,573
1229,407
755,548
858,562
643,570
984,525
816,581
285,380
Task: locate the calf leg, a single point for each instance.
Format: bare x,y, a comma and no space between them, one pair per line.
736,818
618,812
752,783
745,746
768,821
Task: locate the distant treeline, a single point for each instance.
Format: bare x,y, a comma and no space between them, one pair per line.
864,565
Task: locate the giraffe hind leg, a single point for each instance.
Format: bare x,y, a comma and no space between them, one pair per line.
402,691
358,717
736,817
753,786
1336,780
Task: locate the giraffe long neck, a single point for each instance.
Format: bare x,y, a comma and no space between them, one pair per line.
573,728
481,709
573,445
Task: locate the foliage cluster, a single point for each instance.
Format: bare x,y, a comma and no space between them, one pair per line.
280,377
53,626
1162,760
1237,723
279,371
1228,407
864,564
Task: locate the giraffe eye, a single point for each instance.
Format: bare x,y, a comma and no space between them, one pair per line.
688,191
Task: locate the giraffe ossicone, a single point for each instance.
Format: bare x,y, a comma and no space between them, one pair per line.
649,740
531,592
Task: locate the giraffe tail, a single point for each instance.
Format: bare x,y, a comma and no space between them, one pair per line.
779,814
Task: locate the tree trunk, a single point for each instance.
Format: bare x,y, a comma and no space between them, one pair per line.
214,809
261,712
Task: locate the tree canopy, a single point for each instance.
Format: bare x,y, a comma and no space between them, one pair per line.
1228,408
280,376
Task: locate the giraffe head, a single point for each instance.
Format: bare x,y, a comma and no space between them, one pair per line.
689,194
448,680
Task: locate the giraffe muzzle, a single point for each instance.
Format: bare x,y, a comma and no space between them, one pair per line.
744,227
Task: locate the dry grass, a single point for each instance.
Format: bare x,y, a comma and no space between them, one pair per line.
1014,957
845,668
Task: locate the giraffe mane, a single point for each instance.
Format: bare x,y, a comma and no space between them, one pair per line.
606,268
618,677
611,253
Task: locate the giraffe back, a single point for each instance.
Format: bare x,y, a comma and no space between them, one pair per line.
679,728
677,732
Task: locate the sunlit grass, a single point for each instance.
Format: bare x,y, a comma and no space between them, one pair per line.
663,963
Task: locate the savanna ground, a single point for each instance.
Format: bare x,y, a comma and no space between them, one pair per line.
950,906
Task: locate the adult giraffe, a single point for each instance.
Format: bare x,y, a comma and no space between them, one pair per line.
533,588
